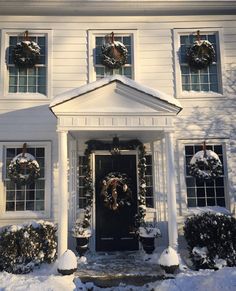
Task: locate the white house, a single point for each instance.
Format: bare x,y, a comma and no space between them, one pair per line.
74,113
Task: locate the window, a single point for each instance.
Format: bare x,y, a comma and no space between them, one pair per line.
26,83
27,197
201,80
26,201
149,182
27,80
101,70
198,83
82,172
96,39
204,193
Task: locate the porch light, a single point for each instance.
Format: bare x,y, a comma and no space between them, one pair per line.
115,147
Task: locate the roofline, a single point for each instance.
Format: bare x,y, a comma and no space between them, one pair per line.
112,81
116,7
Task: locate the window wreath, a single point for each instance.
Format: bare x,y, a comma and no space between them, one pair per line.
26,53
24,169
205,165
115,191
201,54
114,53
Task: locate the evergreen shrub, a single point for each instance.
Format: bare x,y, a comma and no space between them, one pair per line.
22,247
211,240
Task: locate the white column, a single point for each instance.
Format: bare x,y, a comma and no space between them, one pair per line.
171,191
63,194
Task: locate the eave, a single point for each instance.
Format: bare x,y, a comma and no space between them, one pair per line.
116,7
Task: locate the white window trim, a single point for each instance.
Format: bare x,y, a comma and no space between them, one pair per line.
220,47
5,34
182,182
26,214
92,34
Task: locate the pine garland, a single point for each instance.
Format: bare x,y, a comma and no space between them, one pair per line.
93,145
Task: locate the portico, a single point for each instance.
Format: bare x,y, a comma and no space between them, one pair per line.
116,106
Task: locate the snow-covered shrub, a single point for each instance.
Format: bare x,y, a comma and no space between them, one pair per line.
211,238
24,246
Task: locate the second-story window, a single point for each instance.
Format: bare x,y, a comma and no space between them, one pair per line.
204,80
103,71
27,80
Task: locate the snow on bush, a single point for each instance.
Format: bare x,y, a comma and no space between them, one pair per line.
211,238
24,246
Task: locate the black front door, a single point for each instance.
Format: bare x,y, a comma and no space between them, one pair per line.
115,228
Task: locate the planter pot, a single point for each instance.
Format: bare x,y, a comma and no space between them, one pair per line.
82,245
170,269
66,272
148,244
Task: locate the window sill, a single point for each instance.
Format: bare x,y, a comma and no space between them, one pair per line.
200,95
26,96
24,215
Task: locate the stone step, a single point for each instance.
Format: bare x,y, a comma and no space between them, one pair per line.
120,279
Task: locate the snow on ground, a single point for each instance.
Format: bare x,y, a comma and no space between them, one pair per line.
47,279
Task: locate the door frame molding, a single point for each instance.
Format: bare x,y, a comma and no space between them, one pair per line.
105,153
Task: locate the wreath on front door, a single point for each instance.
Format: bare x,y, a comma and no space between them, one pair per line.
205,165
115,191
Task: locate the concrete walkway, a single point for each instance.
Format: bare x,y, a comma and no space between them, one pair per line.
112,269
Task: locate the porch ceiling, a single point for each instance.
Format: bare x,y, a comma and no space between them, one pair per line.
142,135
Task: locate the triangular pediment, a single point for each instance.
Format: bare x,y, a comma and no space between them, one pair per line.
116,94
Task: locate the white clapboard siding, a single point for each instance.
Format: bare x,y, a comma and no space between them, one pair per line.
206,117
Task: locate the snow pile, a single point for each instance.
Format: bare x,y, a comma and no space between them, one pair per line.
169,257
67,261
45,279
204,280
212,209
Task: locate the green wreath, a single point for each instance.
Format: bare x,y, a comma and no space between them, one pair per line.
114,55
24,169
115,191
205,165
26,54
200,55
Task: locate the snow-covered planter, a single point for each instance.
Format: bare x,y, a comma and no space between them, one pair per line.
211,240
200,55
24,169
147,232
22,247
82,232
67,264
26,54
114,54
205,165
169,260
